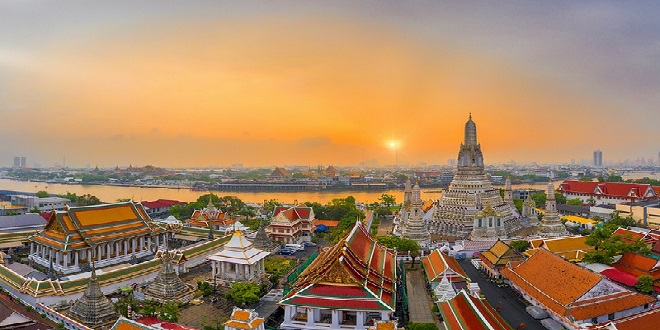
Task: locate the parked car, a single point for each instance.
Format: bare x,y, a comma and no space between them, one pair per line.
287,252
308,244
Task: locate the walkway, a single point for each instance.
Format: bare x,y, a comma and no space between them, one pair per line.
419,302
386,225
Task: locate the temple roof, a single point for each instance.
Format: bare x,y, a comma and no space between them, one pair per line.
239,251
292,214
355,273
438,265
612,189
468,312
80,227
244,319
499,254
570,290
93,309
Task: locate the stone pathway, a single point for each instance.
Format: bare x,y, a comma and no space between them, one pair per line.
419,302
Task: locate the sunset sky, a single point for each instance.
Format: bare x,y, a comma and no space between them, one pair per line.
195,83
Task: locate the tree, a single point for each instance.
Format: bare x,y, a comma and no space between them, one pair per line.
389,241
123,200
410,246
421,326
244,292
520,245
607,245
561,199
34,209
387,200
644,283
539,199
87,199
518,203
574,201
42,194
591,201
270,205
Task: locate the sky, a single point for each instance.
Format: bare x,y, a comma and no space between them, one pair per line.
276,83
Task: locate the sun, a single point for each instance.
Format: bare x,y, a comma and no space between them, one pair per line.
392,144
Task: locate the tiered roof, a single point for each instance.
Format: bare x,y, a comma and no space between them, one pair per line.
438,265
81,227
569,290
239,251
499,255
631,266
468,312
93,309
356,273
292,214
612,189
209,215
571,248
167,286
244,319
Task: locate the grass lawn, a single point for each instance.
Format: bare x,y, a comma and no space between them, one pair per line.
278,265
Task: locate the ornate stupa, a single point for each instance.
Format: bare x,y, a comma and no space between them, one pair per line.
469,193
167,286
93,309
551,225
415,228
261,240
508,192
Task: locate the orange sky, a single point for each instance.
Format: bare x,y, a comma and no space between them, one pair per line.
266,89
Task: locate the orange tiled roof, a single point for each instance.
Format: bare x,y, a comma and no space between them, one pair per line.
558,285
562,244
327,223
637,265
78,227
438,264
645,320
501,253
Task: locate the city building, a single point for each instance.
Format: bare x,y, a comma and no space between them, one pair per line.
644,212
160,208
469,193
292,224
110,234
572,295
17,162
598,158
469,312
238,260
6,208
93,309
350,285
551,225
645,320
24,223
244,319
607,192
44,204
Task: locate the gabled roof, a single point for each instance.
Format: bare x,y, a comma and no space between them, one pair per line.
629,236
244,319
612,189
500,254
572,248
81,227
301,212
356,273
239,251
280,172
161,203
471,313
637,265
438,265
570,290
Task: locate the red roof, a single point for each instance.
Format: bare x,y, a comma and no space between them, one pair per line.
154,321
620,276
293,213
613,189
467,312
438,265
161,203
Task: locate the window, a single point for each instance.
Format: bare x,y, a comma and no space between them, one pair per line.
610,316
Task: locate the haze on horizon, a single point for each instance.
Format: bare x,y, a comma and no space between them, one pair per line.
178,83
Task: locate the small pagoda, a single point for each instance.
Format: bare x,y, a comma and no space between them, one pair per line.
93,309
551,225
261,240
245,319
238,260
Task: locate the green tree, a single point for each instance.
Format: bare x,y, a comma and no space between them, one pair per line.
591,201
42,194
387,200
421,326
607,245
270,205
87,199
244,292
518,203
520,245
34,209
169,311
122,200
410,246
561,199
644,283
539,199
574,201
389,241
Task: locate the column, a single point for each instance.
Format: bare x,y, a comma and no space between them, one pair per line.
31,247
57,258
141,243
310,318
65,262
385,316
108,250
317,315
213,268
76,256
287,314
98,253
251,268
133,244
359,322
335,319
125,247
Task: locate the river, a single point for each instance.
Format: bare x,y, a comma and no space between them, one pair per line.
110,194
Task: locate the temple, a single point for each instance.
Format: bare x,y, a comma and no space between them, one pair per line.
210,216
93,309
350,285
119,232
167,286
292,224
241,319
468,195
262,242
551,225
414,226
238,260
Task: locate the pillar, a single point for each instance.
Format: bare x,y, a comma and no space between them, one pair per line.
57,258
98,253
287,314
31,247
65,262
310,318
317,315
76,256
385,316
335,319
359,322
213,268
125,247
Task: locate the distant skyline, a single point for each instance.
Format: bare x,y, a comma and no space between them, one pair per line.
261,83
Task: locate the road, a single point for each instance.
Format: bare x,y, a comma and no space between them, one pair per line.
419,302
512,308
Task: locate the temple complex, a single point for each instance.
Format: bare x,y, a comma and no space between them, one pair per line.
551,225
292,224
119,232
93,309
469,194
414,226
238,260
350,285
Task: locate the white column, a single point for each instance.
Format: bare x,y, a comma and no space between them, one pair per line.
65,262
335,319
317,315
133,244
108,250
385,316
57,258
125,247
310,317
213,273
98,253
359,322
76,256
31,247
287,314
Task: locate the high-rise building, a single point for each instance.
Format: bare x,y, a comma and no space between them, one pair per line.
598,158
23,162
17,161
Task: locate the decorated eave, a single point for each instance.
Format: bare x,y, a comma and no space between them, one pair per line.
357,273
80,227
